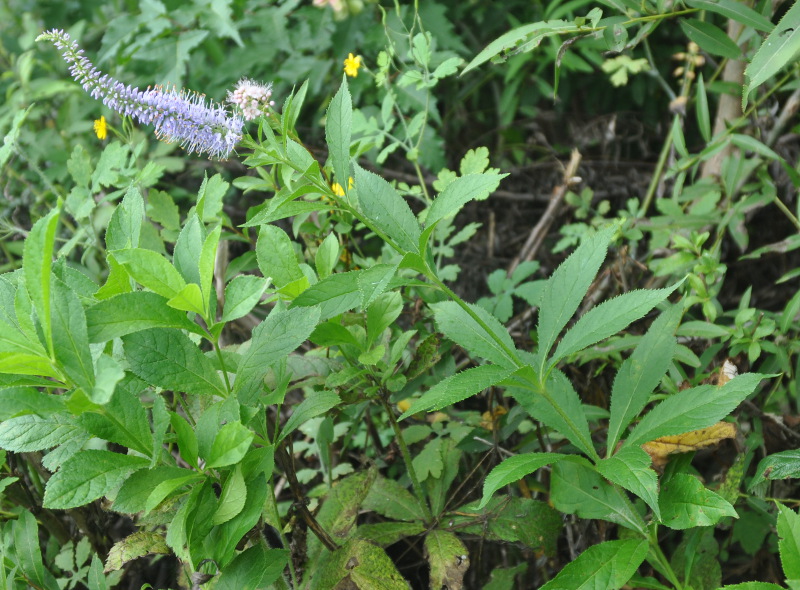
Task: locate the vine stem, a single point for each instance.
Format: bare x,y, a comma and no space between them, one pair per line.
426,511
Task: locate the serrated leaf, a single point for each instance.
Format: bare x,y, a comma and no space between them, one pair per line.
133,546
87,476
389,498
448,559
318,403
123,421
133,494
131,312
608,318
230,445
687,503
460,192
170,360
256,567
789,543
333,295
494,344
151,270
276,256
34,433
37,257
660,448
513,469
209,198
232,498
70,338
630,468
242,294
24,542
783,465
734,10
386,211
125,226
608,565
338,123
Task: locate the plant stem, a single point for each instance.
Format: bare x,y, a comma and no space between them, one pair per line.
273,504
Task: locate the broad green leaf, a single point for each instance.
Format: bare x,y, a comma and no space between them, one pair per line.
710,38
735,10
37,262
276,256
333,295
608,566
109,373
490,341
687,503
558,406
151,270
789,543
162,209
187,439
209,198
564,291
357,562
230,445
125,226
26,400
783,465
123,421
384,534
630,468
458,387
338,123
386,211
513,469
87,476
327,256
696,559
187,249
133,494
29,556
526,37
460,192
165,488
389,498
227,536
256,567
778,49
242,294
576,488
317,403
448,559
132,312
693,409
33,433
381,314
232,498
133,546
373,281
640,373
608,318
272,340
22,363
70,337
170,360
189,298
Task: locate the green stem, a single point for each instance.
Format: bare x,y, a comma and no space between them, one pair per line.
420,493
222,365
662,160
661,563
273,504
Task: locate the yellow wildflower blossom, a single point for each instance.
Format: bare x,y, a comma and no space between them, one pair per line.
337,188
101,128
351,65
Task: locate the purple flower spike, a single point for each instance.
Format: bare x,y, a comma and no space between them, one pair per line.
178,116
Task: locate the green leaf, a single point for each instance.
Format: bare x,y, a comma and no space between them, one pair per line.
608,565
163,210
710,38
693,409
734,10
232,498
276,256
457,387
460,192
630,468
242,294
209,198
564,290
576,488
29,555
327,255
448,559
187,248
381,314
338,125
491,342
187,439
333,295
384,534
169,359
160,492
703,116
687,503
779,49
207,263
37,261
109,373
132,312
752,586
224,538
87,476
513,469
256,567
133,494
33,433
125,226
272,340
123,421
70,337
608,318
151,270
386,211
16,401
230,445
189,298
789,543
133,546
11,137
356,564
641,372
389,498
783,465
318,403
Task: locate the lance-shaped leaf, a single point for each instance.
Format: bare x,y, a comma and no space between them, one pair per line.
338,125
490,341
608,565
513,469
37,261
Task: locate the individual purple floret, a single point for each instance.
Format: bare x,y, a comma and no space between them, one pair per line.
178,116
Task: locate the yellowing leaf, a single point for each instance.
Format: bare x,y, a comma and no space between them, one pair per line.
660,448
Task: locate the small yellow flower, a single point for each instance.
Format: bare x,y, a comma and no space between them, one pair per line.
101,128
351,65
337,188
